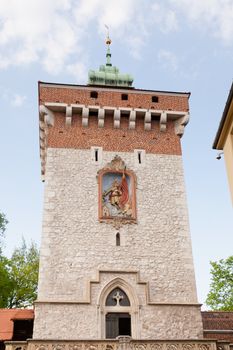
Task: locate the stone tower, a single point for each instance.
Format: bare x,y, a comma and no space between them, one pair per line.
116,256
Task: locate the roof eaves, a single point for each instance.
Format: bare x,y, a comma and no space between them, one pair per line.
224,115
116,87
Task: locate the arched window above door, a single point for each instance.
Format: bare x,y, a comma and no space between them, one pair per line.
117,297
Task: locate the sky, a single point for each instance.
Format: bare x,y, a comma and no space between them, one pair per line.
170,45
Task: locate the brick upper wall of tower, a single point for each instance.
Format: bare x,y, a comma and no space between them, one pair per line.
108,137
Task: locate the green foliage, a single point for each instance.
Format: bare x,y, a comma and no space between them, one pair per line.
3,223
19,277
5,281
220,296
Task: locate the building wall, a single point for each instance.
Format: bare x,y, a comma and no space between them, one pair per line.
112,97
119,140
218,325
79,256
224,138
77,321
228,156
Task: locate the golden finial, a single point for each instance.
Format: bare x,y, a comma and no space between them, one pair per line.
108,40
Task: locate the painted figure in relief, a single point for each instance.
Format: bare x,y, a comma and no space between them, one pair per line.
116,195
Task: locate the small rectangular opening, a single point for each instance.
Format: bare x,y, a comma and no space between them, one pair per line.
118,239
155,99
155,117
96,155
93,113
124,97
94,94
139,157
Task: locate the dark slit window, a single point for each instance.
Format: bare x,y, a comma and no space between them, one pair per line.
118,239
96,155
139,157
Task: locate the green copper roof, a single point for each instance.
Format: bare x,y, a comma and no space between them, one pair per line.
108,74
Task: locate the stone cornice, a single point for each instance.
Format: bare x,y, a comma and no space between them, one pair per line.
85,302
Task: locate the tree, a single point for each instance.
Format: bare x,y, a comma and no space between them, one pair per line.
220,296
3,223
5,281
23,266
19,277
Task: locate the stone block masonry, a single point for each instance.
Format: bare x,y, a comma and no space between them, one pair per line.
80,259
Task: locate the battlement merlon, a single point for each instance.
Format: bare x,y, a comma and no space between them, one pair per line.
72,116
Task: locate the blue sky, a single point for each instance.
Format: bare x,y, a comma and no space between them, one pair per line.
174,45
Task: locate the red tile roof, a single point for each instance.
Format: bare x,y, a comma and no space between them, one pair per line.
7,316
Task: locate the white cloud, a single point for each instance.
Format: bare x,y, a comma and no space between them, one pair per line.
136,44
165,17
213,16
79,70
32,31
10,97
118,13
126,19
52,33
168,60
18,100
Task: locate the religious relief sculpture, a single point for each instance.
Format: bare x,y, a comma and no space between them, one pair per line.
116,195
117,192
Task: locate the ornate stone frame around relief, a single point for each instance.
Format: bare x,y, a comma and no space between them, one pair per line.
117,165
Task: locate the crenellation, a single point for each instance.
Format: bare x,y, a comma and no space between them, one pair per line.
163,121
101,114
117,118
68,115
85,116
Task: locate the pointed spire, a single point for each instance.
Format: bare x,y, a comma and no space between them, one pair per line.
108,43
107,74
